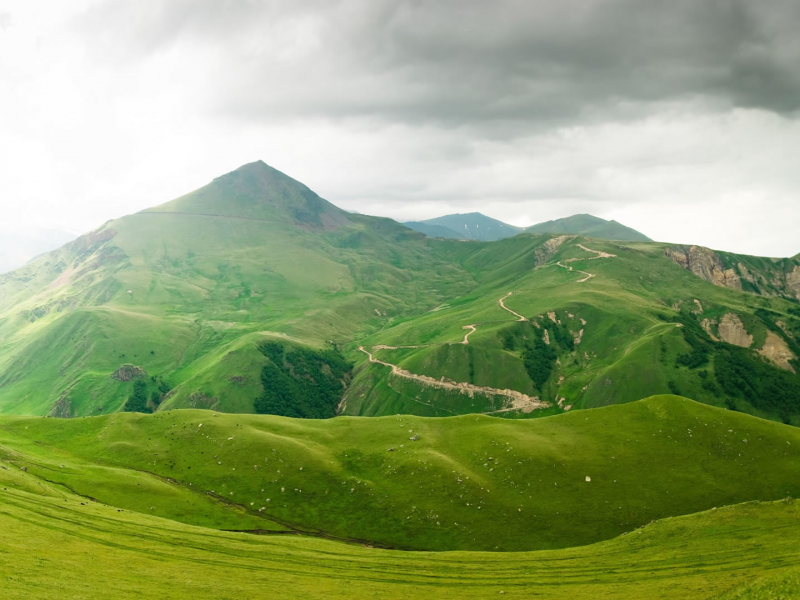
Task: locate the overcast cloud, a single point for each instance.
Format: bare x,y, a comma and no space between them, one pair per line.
680,119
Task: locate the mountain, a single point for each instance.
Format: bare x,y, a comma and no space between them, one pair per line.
590,226
254,294
18,247
470,226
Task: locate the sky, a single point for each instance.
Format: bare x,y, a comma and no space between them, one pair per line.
680,119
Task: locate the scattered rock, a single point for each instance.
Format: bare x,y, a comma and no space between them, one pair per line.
128,372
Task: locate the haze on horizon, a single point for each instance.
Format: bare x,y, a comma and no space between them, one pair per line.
681,119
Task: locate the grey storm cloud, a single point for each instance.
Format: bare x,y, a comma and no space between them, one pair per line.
467,63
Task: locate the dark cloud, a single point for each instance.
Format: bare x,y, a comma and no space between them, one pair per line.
460,63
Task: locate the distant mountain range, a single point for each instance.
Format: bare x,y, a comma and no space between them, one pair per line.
17,248
476,226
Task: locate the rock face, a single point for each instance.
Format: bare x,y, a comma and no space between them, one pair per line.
128,372
731,330
706,264
776,351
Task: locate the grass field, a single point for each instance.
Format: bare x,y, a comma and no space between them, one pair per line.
62,546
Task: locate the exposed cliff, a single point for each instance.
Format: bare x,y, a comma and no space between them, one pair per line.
762,276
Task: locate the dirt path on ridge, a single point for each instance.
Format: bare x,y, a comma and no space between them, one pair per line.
600,254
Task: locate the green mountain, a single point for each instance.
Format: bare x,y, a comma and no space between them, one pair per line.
255,294
590,226
470,226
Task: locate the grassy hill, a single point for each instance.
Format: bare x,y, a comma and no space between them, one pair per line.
465,483
590,226
155,497
469,226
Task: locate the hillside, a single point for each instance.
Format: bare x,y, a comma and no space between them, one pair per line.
582,323
590,226
469,226
465,483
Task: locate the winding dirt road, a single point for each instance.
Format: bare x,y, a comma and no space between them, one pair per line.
519,401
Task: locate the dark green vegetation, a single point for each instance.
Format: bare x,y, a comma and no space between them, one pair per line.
187,293
300,382
590,226
470,226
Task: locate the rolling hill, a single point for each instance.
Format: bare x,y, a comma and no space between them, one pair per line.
469,226
590,226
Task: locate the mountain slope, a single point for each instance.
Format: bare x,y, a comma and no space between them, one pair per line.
471,226
590,226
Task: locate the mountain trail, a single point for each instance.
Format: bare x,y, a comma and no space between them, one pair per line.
504,307
519,401
472,329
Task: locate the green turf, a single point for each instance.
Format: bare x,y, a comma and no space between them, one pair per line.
61,546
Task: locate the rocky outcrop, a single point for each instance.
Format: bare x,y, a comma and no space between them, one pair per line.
128,372
706,264
777,352
731,330
546,250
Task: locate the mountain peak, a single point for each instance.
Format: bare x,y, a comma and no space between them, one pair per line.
258,191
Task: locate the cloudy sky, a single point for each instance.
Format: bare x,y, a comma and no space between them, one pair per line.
680,118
